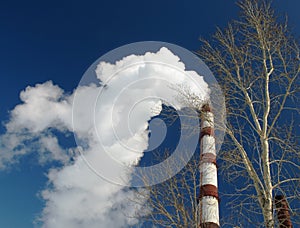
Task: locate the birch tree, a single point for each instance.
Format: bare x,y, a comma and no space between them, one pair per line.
172,203
256,62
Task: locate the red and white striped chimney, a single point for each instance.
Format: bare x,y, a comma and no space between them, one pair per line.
208,199
283,214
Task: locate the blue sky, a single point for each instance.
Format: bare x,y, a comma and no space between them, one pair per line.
58,40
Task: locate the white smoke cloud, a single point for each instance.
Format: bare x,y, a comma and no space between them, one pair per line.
29,129
111,120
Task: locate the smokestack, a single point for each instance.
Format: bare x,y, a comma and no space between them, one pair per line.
208,199
283,214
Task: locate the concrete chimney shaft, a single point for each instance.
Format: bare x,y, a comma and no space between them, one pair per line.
208,199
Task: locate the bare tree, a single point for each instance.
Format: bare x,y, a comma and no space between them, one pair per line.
256,62
172,203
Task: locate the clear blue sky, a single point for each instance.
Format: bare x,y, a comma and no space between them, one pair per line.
58,40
